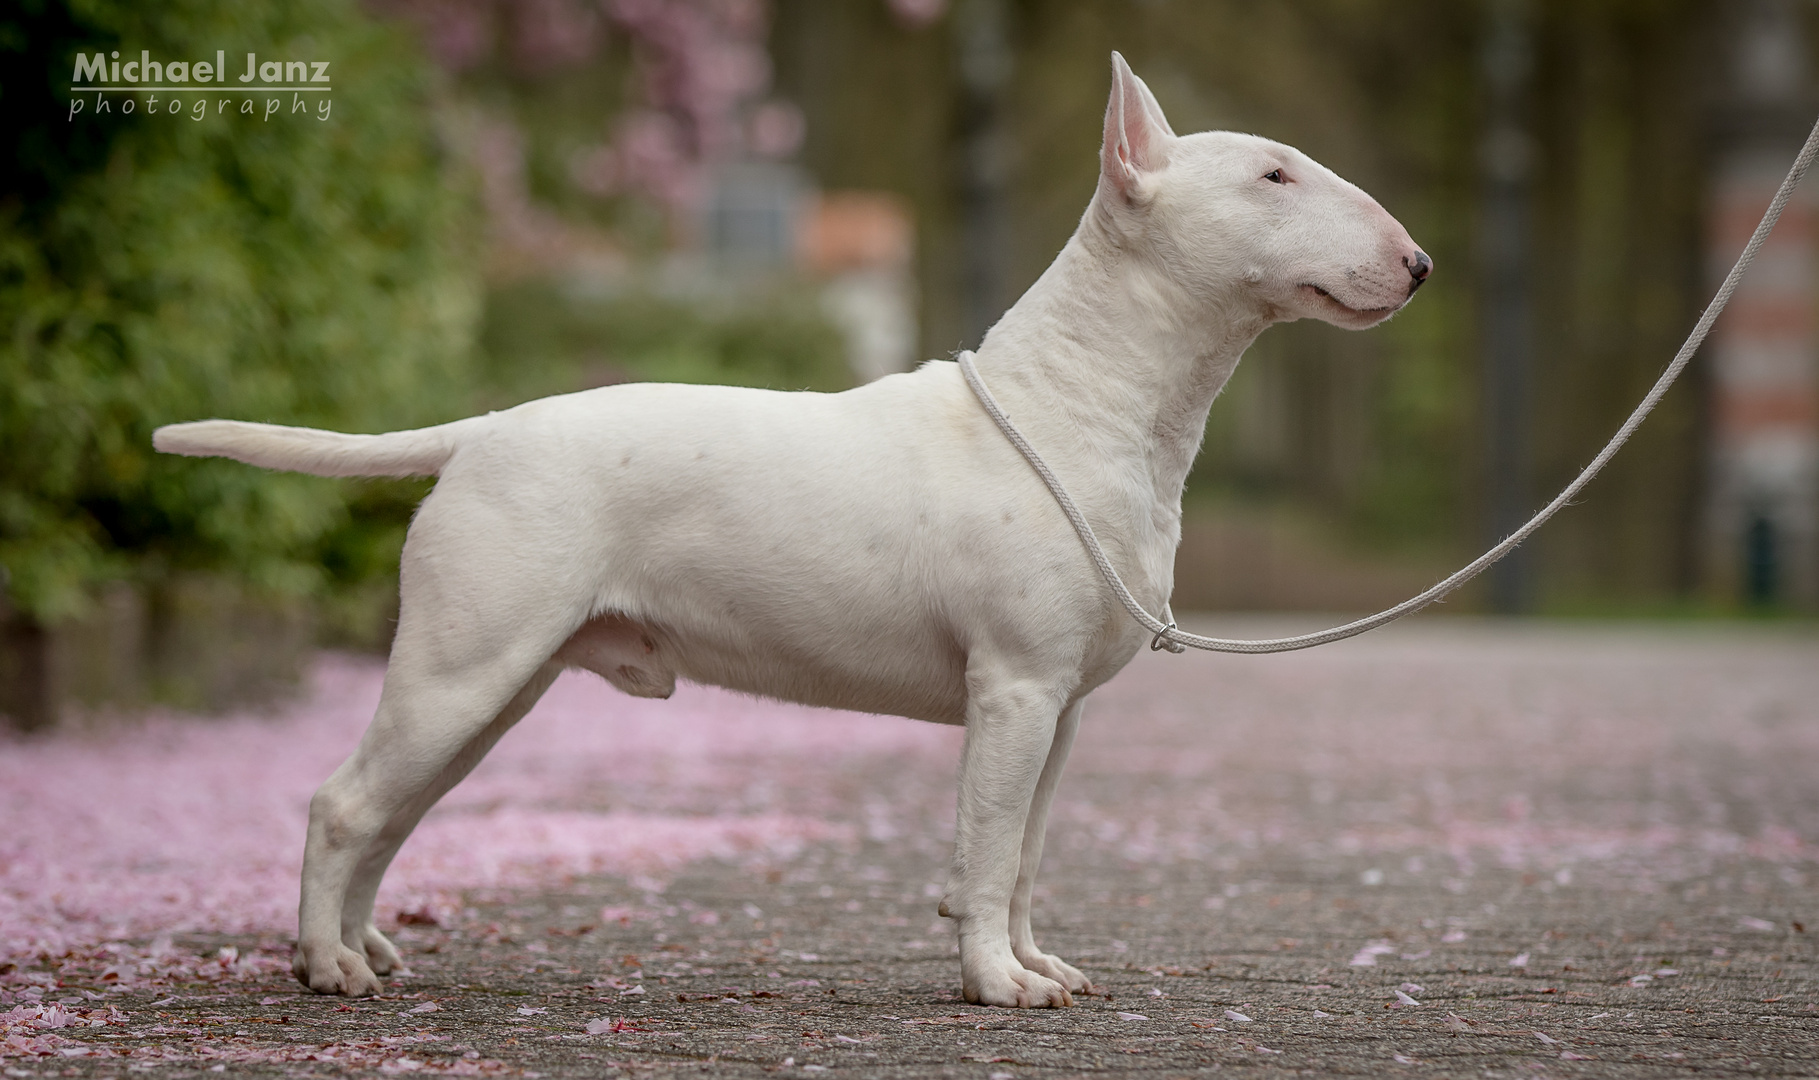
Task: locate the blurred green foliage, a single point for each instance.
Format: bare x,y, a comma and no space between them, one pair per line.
162,268
541,338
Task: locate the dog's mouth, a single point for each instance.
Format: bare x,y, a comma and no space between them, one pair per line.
1348,314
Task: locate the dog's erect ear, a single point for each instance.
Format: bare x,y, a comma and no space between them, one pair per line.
1135,132
1150,106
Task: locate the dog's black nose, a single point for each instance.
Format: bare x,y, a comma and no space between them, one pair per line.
1418,267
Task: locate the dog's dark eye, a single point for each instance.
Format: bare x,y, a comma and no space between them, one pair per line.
1274,176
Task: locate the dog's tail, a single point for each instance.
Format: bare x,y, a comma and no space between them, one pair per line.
422,452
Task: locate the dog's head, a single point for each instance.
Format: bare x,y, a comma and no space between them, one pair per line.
1242,219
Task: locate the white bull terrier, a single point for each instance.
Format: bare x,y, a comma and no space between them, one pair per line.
884,549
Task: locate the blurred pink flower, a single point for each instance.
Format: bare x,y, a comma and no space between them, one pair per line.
918,12
777,129
700,74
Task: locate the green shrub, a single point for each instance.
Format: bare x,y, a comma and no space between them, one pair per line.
159,268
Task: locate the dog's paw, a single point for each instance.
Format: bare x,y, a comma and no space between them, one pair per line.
1013,986
1053,967
381,955
342,971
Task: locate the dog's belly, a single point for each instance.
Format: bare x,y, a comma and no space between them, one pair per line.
644,660
927,683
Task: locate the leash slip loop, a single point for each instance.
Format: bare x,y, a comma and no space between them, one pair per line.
1168,636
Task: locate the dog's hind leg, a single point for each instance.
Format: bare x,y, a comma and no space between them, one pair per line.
1023,941
423,724
358,931
474,634
1010,727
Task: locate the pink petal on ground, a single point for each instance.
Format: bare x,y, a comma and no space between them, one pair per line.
1132,1016
1404,999
202,831
1234,1014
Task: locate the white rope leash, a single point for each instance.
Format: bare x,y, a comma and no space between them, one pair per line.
1167,636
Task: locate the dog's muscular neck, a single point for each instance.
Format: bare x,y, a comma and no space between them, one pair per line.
1107,353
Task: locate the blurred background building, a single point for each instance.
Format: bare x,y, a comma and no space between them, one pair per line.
1763,498
529,197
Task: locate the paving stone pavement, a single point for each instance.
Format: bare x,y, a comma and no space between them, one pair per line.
1451,848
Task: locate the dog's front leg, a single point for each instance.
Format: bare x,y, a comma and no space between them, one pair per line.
1010,728
1023,940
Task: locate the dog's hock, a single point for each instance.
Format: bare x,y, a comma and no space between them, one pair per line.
1136,133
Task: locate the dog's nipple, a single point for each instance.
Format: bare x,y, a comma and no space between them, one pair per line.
1253,275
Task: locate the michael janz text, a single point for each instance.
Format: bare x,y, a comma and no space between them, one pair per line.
133,85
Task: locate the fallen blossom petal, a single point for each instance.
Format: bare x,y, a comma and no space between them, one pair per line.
430,1007
152,857
1234,1014
1132,1016
1404,999
1519,960
1545,1039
